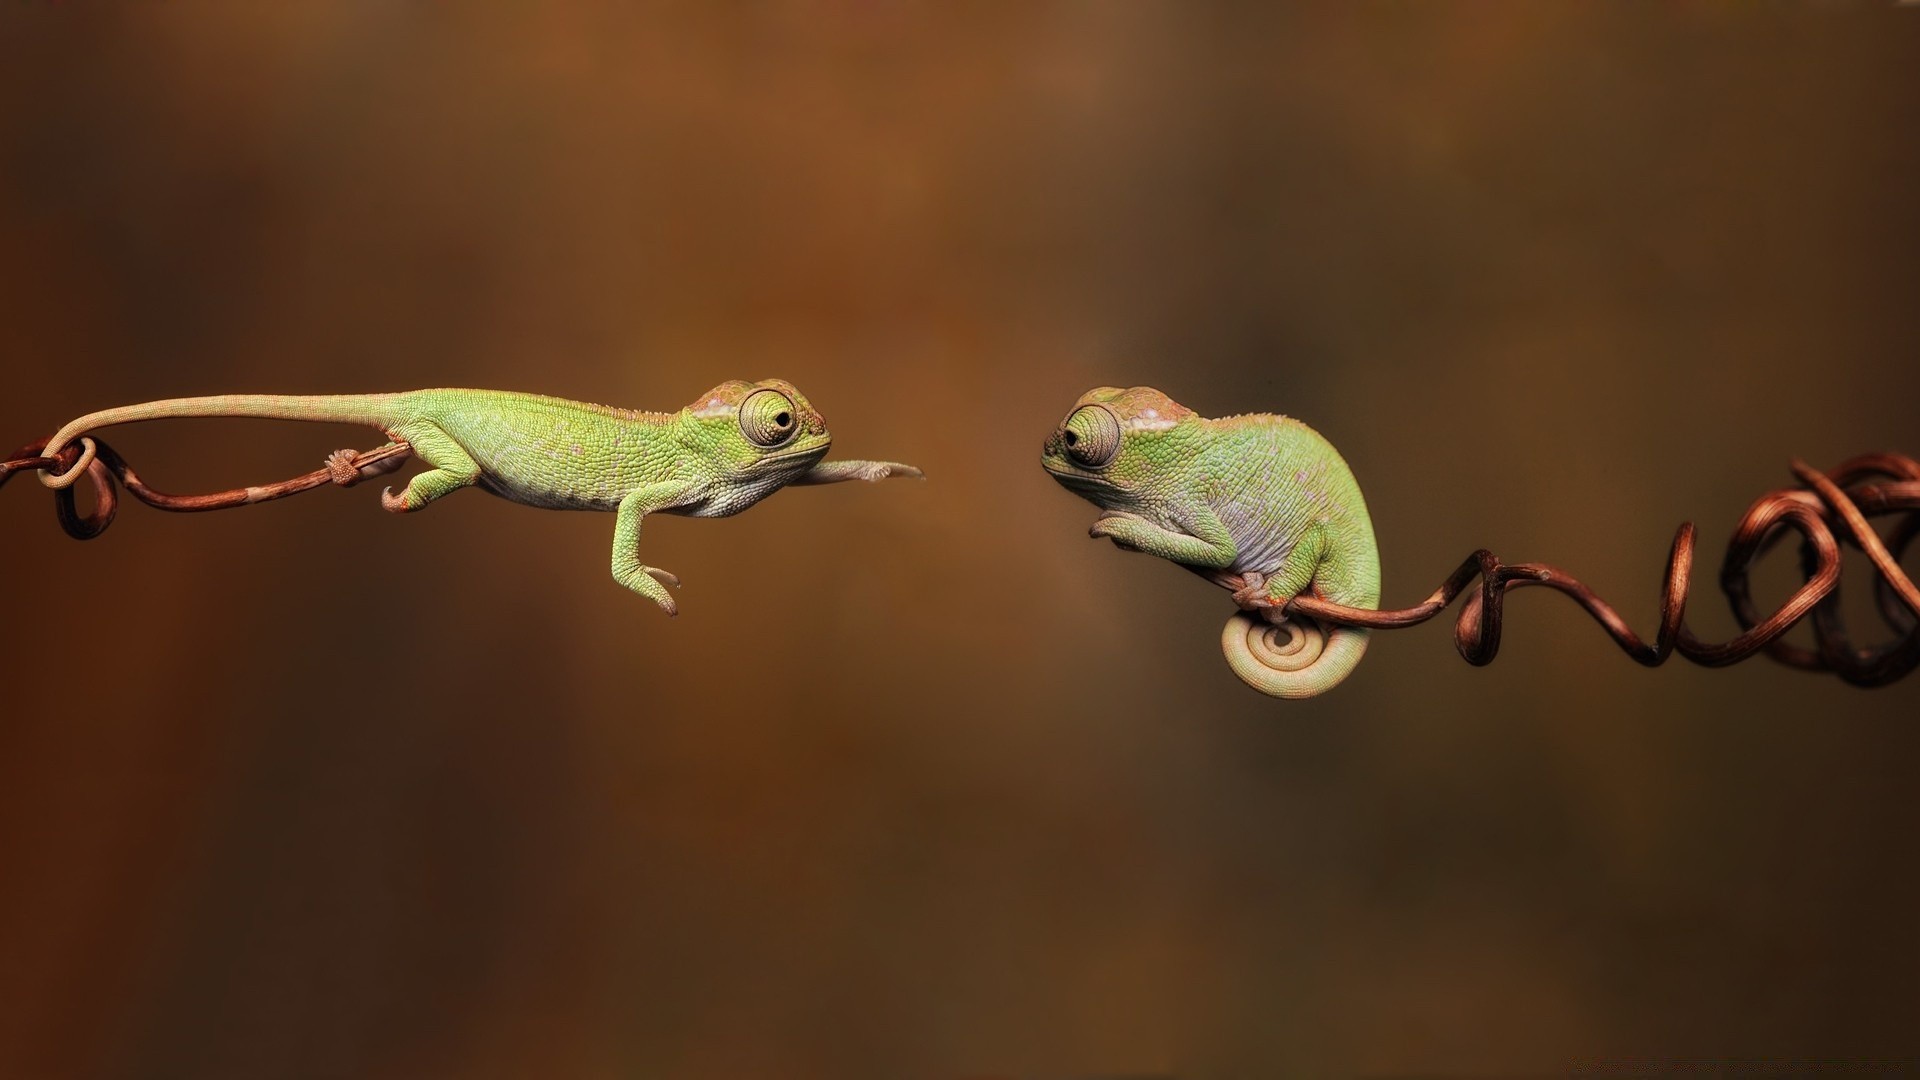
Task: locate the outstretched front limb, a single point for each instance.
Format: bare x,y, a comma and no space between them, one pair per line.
628,570
834,472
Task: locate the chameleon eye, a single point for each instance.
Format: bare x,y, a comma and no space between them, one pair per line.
767,418
1092,436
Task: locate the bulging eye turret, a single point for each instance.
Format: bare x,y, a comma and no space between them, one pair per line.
768,418
1092,436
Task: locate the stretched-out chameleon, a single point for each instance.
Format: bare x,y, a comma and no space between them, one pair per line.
732,447
1260,503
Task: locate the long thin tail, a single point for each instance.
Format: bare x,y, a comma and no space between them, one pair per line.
373,410
1296,659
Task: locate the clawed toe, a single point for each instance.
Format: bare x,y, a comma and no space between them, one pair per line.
1252,593
651,583
341,469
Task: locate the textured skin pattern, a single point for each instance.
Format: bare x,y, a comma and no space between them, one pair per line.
1259,497
732,447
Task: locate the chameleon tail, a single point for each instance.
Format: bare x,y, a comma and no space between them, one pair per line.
373,410
1295,659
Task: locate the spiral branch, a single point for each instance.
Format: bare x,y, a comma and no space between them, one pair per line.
1828,510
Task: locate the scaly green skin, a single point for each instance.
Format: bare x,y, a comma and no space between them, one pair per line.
734,446
1258,498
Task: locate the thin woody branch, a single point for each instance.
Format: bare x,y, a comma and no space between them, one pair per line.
1833,508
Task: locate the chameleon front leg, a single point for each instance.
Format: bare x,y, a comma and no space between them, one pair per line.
452,469
834,472
628,570
1209,545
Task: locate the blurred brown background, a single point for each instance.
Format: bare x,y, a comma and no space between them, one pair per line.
923,782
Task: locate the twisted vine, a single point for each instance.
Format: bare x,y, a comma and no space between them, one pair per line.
1828,510
344,468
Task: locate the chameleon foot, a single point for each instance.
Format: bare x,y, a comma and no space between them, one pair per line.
349,467
1252,594
872,471
341,469
651,582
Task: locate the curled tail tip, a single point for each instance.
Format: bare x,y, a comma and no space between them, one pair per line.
1296,659
60,480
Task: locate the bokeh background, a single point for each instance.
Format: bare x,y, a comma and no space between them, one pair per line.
923,782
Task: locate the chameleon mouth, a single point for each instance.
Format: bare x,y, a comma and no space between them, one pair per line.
1065,471
819,450
1076,480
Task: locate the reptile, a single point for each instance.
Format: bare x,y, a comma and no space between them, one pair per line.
730,448
1258,503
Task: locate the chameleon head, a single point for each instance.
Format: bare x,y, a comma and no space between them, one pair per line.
759,431
1115,443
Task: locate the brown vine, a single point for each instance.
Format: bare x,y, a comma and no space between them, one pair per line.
1868,486
344,468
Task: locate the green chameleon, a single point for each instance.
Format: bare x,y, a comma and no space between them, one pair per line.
1260,504
734,446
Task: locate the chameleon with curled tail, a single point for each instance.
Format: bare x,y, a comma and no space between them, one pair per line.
1259,503
732,447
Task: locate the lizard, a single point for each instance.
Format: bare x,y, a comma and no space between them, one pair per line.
1258,503
728,449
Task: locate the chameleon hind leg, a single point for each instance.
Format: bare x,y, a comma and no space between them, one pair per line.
1293,577
649,581
452,468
